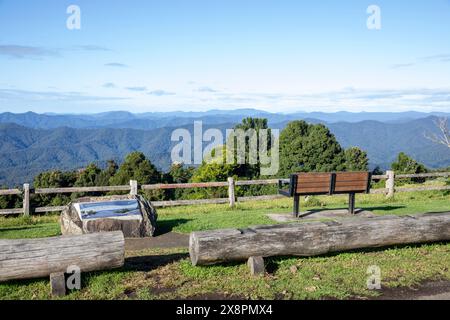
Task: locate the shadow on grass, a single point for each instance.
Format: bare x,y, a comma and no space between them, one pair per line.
149,263
273,263
166,226
385,208
309,212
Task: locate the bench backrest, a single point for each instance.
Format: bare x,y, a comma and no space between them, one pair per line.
329,183
352,182
312,183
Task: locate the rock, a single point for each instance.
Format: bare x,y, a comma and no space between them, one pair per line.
75,221
293,269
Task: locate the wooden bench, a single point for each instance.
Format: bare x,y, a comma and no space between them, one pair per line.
330,183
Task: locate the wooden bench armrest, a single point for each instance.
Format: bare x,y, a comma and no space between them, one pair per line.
286,193
281,190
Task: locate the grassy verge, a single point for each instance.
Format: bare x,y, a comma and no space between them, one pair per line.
168,274
206,217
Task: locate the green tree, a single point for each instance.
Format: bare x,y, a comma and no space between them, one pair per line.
407,165
136,167
309,148
88,176
377,171
104,177
247,170
179,173
213,169
10,201
356,159
53,179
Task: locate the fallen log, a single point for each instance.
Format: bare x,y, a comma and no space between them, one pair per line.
316,238
36,258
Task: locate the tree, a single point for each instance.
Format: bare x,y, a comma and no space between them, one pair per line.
10,201
356,159
443,137
88,176
53,179
104,178
309,148
407,165
213,168
136,167
254,125
178,173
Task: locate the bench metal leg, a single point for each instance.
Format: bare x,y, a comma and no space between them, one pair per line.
296,206
351,203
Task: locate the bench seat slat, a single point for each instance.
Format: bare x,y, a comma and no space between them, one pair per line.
354,182
350,189
314,184
351,184
313,179
351,176
323,190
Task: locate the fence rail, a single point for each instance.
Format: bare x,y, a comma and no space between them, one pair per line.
133,188
81,189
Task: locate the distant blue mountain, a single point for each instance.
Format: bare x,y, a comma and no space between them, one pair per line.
153,120
26,150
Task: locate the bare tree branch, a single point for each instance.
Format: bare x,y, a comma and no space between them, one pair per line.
443,137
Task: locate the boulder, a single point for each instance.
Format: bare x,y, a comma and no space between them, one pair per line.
133,215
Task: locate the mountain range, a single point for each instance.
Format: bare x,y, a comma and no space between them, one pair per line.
153,120
31,142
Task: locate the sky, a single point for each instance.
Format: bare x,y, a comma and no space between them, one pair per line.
196,55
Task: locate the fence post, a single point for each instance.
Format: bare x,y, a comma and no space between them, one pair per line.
134,187
231,194
390,183
26,199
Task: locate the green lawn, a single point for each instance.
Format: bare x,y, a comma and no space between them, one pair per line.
207,217
167,274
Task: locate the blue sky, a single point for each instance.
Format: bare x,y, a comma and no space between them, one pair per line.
192,55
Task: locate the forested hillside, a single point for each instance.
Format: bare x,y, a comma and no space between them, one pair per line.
25,152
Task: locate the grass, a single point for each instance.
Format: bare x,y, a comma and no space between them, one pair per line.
168,273
206,217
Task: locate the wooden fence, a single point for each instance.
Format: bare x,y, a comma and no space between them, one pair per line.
133,189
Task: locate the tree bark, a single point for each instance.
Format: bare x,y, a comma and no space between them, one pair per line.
36,258
315,238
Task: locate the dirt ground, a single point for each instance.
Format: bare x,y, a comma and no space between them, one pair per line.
430,290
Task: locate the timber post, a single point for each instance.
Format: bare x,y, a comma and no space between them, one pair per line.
133,187
231,193
390,183
26,199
